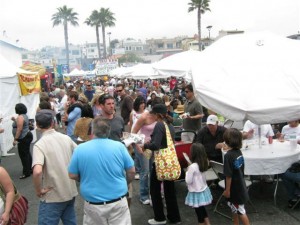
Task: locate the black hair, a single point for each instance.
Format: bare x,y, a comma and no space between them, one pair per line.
87,111
198,155
189,87
233,138
20,108
157,100
121,85
104,97
45,105
137,102
152,94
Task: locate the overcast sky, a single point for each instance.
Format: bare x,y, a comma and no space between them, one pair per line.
30,20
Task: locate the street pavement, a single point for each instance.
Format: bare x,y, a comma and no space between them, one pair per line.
261,195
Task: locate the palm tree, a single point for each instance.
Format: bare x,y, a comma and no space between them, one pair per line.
64,16
93,21
201,6
106,19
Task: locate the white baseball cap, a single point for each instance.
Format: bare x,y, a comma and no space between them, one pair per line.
212,119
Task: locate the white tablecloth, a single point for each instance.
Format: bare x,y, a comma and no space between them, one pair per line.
270,159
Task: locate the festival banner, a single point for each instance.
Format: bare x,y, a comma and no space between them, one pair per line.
104,66
29,84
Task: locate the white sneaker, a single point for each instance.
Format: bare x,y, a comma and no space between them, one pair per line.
145,202
153,222
137,176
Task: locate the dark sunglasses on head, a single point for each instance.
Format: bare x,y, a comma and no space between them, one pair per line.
104,97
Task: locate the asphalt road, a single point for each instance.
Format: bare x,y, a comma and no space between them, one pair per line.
261,195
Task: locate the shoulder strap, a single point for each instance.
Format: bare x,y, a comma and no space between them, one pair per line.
90,128
168,135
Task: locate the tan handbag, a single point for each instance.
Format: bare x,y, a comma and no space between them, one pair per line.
166,161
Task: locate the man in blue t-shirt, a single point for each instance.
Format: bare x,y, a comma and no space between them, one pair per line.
89,91
104,168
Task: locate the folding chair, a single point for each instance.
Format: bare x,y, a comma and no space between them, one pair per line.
218,168
210,176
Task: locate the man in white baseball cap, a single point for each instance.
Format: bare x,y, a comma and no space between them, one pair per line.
211,136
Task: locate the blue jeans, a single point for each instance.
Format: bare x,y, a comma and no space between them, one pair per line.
144,169
51,213
137,160
289,180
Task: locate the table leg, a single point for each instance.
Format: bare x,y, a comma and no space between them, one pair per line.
276,186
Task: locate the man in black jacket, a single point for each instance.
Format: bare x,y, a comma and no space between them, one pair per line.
211,136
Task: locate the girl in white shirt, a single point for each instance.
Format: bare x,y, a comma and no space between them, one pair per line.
199,194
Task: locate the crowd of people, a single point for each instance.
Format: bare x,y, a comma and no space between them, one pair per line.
85,121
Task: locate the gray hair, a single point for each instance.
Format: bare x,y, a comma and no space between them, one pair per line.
100,128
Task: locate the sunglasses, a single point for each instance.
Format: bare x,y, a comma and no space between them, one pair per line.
119,90
187,91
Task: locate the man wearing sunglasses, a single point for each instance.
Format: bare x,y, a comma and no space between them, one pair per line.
126,104
89,91
193,113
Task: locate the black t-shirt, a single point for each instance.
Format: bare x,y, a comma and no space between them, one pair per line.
159,137
234,168
209,141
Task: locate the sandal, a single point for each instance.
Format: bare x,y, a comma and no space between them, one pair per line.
24,176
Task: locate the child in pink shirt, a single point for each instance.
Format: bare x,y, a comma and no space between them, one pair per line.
199,194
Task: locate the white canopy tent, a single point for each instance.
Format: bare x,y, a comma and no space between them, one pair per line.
75,73
251,76
177,65
139,71
9,97
143,71
119,72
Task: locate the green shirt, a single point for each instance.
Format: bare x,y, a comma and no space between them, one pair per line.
194,108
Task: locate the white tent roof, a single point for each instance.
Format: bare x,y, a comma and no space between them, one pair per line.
143,71
119,72
251,76
75,72
177,65
139,71
9,70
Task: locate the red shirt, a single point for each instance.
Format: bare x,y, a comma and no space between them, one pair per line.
172,84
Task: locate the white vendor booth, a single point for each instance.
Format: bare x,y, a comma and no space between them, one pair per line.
253,76
9,96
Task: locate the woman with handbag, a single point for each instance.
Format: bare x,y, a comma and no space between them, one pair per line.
13,206
23,137
162,141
